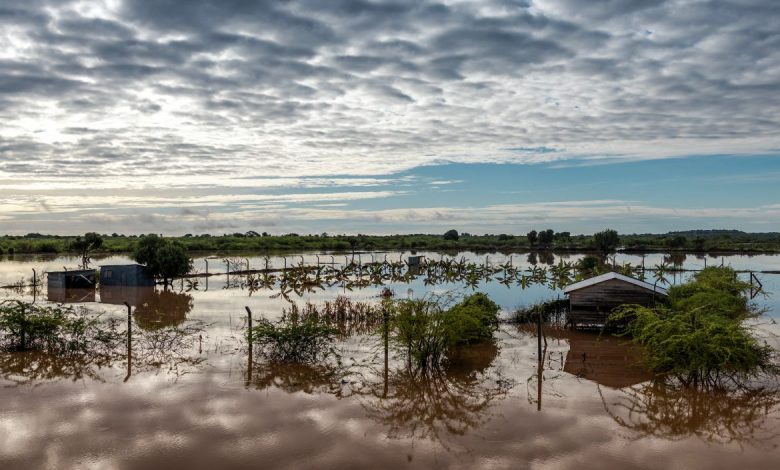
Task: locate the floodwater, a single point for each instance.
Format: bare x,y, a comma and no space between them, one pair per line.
184,393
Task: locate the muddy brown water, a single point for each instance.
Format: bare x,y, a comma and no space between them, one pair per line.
185,395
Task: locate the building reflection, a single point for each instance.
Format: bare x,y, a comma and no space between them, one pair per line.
153,309
62,295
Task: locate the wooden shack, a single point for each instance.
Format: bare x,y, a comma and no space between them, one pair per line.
78,279
133,275
592,300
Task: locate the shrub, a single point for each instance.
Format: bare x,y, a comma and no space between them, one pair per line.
698,336
424,330
473,319
56,330
420,330
295,338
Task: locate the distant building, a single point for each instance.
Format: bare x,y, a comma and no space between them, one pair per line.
77,279
415,260
592,300
133,275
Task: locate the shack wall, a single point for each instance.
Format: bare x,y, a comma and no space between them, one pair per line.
592,305
125,275
71,279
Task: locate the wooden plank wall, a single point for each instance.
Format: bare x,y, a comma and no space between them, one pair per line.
592,305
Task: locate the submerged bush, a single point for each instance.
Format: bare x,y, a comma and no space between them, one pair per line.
342,313
56,330
425,330
474,319
294,338
698,336
420,330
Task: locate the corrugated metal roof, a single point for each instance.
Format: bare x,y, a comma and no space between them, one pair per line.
610,276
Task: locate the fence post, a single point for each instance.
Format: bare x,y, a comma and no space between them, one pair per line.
539,334
129,340
249,341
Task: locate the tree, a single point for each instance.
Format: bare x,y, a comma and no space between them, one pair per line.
678,241
451,235
84,246
606,241
546,237
532,237
163,258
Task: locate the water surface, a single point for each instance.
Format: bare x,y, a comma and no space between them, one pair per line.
185,395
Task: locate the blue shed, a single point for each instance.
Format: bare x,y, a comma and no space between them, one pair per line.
125,275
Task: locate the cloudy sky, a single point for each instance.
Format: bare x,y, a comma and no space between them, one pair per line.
386,116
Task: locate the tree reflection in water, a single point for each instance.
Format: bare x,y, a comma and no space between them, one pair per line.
435,404
170,349
34,367
160,309
675,413
438,403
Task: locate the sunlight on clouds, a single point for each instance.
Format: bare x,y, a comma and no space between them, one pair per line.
121,105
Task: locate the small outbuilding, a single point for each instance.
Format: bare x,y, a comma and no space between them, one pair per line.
592,300
78,279
415,260
134,275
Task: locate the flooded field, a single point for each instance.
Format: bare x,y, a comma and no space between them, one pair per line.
186,393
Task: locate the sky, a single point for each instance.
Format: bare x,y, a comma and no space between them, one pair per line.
389,116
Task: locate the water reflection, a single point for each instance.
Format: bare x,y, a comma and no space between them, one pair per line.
62,295
660,410
608,361
170,349
439,403
35,367
436,404
160,309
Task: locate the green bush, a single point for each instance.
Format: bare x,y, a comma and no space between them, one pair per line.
698,335
424,330
295,338
57,330
472,320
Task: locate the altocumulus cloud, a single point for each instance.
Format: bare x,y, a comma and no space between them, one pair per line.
131,95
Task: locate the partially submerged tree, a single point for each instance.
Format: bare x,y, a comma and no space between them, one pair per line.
163,258
698,336
86,245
